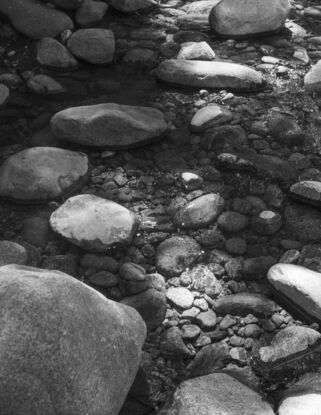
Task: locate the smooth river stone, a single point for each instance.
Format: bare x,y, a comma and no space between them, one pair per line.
93,223
307,191
109,125
301,286
43,173
214,75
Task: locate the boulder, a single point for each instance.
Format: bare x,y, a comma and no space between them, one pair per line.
42,173
214,75
132,6
109,125
300,286
244,18
312,80
65,348
95,46
93,223
52,53
216,394
35,19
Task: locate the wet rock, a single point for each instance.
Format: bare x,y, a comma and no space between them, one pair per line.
236,246
12,253
307,191
200,51
206,320
44,341
300,286
66,4
191,180
267,222
285,130
4,95
151,305
134,278
90,12
141,57
52,53
233,222
292,351
45,85
217,393
95,46
303,222
132,6
258,267
216,75
95,125
312,80
234,19
200,212
35,231
210,116
93,223
190,331
35,19
180,297
99,262
204,280
172,344
209,359
245,303
104,279
216,138
176,254
42,173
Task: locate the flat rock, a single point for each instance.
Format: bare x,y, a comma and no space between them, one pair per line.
34,19
216,394
176,254
93,223
151,305
200,51
200,212
110,125
210,116
235,19
12,253
95,46
132,6
214,75
301,286
312,80
42,173
180,297
52,53
209,359
245,303
307,191
85,348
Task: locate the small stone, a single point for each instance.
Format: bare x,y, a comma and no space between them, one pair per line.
285,130
232,222
172,344
4,95
180,297
104,279
236,246
267,222
207,320
190,331
227,322
90,12
44,84
238,354
191,181
210,116
52,53
196,51
244,303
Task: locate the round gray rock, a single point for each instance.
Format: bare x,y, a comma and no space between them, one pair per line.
42,173
95,46
12,253
93,223
65,348
52,53
109,125
180,297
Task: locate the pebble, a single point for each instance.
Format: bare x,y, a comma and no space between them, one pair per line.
180,297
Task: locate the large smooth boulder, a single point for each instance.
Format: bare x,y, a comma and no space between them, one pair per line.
132,6
300,286
110,125
215,75
312,80
95,46
65,348
242,18
216,394
94,223
35,19
42,173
